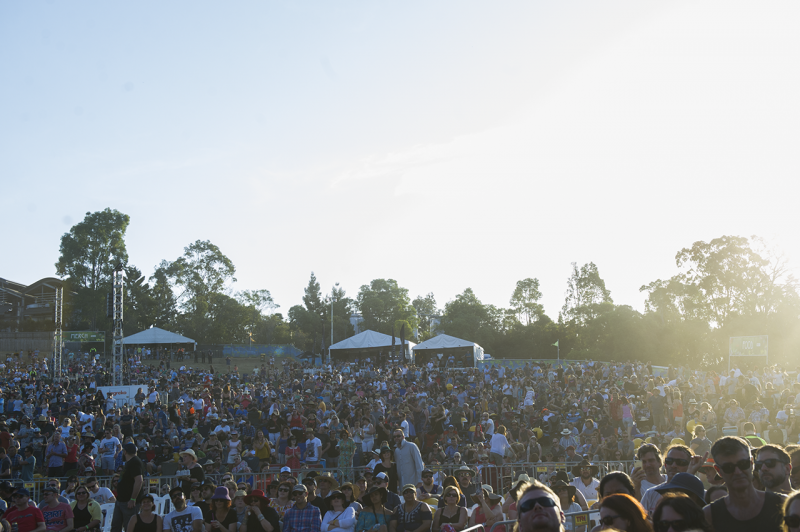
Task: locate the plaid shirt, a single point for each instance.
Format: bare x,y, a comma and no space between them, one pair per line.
306,520
248,431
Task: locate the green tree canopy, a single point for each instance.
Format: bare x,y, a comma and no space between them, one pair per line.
382,302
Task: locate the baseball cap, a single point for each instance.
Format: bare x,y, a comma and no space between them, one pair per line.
300,487
286,469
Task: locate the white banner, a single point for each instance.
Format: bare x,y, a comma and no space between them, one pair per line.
123,395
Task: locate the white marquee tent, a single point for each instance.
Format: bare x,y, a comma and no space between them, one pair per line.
154,335
370,340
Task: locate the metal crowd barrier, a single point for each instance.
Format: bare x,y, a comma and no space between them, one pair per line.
501,478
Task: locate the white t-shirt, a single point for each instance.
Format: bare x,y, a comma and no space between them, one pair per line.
590,491
109,446
102,496
182,521
313,447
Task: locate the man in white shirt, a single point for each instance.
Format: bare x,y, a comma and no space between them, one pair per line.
313,447
224,427
585,480
109,447
96,493
183,518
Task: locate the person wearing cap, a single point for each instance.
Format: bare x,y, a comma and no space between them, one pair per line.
195,470
382,480
427,489
128,489
411,515
182,518
58,516
302,517
26,516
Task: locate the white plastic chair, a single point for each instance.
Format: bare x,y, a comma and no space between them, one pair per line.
160,502
108,515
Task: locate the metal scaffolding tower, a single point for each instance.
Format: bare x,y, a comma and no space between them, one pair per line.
118,362
58,336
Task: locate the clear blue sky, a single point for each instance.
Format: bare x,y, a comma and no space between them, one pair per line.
446,145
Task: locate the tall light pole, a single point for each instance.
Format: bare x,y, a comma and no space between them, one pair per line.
333,293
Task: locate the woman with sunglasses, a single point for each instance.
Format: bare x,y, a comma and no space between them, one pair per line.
676,512
451,516
146,520
86,512
283,501
221,518
624,513
791,513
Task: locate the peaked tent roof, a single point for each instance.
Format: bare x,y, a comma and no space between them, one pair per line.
444,341
369,339
154,335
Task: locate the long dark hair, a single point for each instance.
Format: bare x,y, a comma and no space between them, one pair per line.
629,509
686,508
620,477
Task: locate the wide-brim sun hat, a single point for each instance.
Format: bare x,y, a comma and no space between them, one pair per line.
383,491
221,494
255,495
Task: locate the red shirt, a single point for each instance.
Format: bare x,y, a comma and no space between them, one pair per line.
26,519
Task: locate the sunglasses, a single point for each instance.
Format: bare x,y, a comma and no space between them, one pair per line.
452,494
530,504
283,489
769,462
608,520
680,462
176,496
792,521
427,476
730,467
679,525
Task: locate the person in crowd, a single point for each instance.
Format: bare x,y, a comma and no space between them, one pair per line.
411,515
146,520
302,517
451,514
678,511
260,515
408,460
744,507
585,480
539,509
623,513
375,517
128,490
773,468
24,516
58,515
351,495
222,517
97,493
566,495
341,517
182,518
388,466
679,459
283,501
649,473
382,480
427,489
86,512
791,512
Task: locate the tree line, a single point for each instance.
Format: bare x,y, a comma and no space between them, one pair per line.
730,286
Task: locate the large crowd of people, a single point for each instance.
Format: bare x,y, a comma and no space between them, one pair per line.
357,446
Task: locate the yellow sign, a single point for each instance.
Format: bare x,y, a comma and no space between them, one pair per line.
581,520
29,485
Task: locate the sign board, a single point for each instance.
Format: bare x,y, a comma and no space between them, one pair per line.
581,519
748,346
123,395
85,336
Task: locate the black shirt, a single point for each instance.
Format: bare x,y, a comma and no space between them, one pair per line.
132,469
196,474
